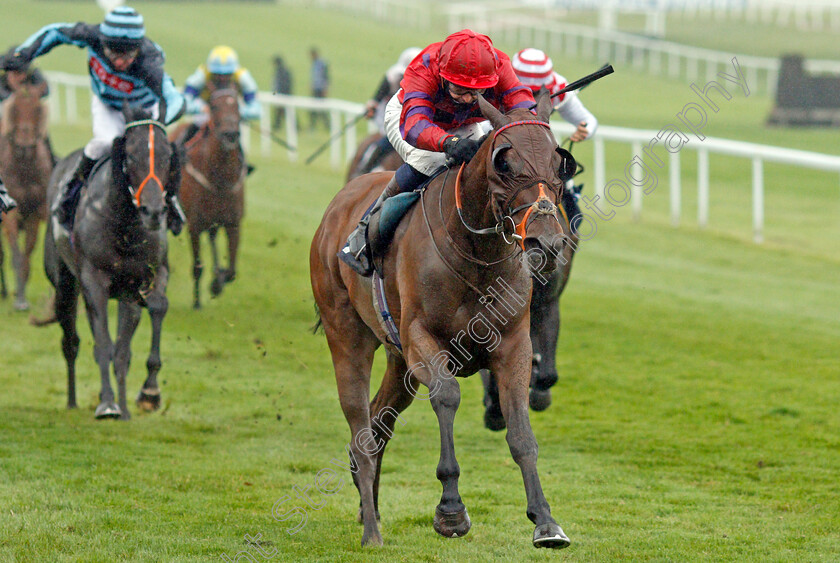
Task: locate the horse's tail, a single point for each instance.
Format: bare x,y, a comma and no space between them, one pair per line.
49,319
319,325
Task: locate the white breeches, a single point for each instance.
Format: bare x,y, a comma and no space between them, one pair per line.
108,124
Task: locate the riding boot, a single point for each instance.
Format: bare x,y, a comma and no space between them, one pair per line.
175,216
356,253
72,192
192,129
382,148
53,159
7,203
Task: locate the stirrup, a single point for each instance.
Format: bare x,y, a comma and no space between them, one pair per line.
360,263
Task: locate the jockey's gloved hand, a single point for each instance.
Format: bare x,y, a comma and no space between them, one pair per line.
459,149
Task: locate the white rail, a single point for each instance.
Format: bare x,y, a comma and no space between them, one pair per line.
64,88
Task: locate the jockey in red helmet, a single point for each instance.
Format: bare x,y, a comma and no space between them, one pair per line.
435,116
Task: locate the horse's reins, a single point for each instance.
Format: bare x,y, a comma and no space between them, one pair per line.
519,229
151,175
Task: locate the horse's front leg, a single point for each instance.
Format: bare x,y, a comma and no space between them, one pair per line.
12,234
198,267
545,330
218,283
424,355
511,361
95,287
149,397
128,319
31,230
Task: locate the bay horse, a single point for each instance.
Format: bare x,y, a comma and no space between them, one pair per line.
25,166
116,250
360,163
545,302
213,186
443,253
545,327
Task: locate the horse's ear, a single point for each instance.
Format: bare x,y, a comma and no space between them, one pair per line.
174,181
488,110
543,104
118,162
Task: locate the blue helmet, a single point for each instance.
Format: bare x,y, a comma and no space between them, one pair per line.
222,60
123,29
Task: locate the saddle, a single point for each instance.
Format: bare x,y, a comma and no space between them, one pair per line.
383,225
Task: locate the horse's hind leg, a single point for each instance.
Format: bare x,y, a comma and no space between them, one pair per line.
385,408
493,419
352,347
149,397
129,318
545,330
3,292
66,309
198,267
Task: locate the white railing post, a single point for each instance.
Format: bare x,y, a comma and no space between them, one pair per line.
291,132
636,192
265,128
70,101
758,199
702,188
335,147
675,188
599,155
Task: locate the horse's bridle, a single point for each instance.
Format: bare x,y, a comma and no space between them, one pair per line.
151,176
541,206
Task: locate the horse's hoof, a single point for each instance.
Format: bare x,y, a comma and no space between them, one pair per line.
21,306
452,524
550,535
360,519
148,399
229,276
196,305
493,419
217,286
375,540
540,400
107,410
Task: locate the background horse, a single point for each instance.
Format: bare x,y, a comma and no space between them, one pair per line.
213,187
360,163
25,166
545,305
119,251
442,254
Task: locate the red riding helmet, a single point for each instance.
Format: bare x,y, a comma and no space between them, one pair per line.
467,59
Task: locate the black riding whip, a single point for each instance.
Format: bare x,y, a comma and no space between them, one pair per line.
586,80
336,136
271,136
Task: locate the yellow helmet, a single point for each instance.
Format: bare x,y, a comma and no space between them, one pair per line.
222,60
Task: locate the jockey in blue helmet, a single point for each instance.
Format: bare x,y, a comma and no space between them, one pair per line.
125,67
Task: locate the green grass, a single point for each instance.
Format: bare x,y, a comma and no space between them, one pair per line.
695,418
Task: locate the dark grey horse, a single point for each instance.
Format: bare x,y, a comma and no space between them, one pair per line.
545,329
117,250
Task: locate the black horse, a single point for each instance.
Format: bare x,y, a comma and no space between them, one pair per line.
117,250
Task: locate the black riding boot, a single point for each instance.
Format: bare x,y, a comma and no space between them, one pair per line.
356,253
175,216
50,150
70,196
7,203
